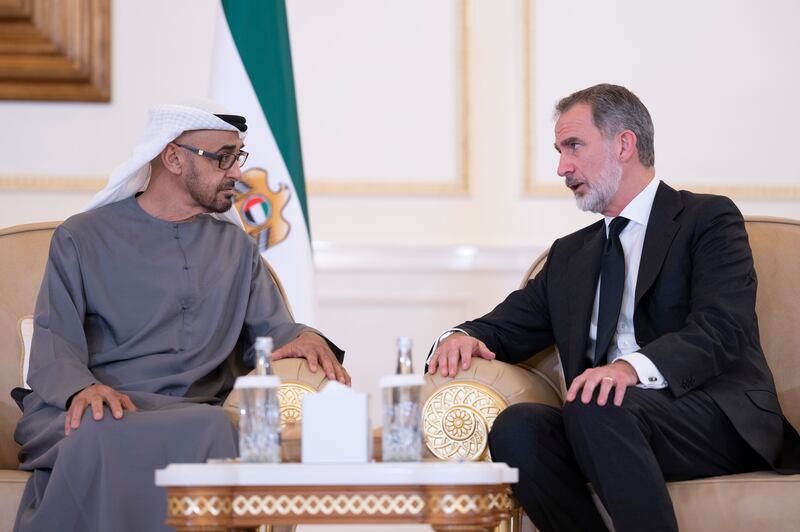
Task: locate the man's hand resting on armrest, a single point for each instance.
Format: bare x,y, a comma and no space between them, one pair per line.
458,347
316,351
95,396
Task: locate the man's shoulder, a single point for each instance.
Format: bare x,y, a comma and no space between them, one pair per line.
578,238
86,221
704,206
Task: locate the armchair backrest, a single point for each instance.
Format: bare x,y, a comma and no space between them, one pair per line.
23,255
776,253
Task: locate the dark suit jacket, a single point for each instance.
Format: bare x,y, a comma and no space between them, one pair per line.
694,312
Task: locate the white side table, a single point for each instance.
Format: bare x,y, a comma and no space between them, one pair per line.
466,496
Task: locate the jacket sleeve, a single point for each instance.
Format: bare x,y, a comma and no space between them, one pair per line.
721,320
59,352
519,326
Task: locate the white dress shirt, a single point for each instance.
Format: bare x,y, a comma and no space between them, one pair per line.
623,344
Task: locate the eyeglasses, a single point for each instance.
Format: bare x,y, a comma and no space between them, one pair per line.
225,160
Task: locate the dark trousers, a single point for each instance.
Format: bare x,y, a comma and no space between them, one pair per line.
627,453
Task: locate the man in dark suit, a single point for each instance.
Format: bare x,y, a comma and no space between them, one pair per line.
653,313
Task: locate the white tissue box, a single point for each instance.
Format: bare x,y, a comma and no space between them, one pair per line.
336,426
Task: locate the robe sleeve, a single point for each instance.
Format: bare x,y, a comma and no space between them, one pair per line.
59,352
267,314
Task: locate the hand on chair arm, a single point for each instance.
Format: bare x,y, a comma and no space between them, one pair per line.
457,350
316,350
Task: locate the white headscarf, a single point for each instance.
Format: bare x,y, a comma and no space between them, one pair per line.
165,123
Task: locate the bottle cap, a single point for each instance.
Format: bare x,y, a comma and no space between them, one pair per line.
264,343
404,343
257,381
400,381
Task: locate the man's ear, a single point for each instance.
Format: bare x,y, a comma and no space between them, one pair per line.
171,159
627,146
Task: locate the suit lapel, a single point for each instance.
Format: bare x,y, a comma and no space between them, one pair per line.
583,271
661,229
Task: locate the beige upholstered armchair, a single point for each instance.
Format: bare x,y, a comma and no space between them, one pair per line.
23,254
459,412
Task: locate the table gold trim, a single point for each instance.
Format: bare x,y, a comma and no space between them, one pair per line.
241,506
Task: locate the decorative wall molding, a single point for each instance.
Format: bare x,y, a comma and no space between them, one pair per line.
52,183
55,50
318,185
429,259
536,188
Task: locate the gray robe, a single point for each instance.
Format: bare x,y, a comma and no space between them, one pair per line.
160,311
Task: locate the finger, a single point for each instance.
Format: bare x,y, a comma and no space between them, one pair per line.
283,352
97,407
453,358
444,361
432,362
606,383
588,391
115,405
619,394
575,387
465,352
78,406
347,380
340,373
68,419
313,362
484,352
127,403
327,366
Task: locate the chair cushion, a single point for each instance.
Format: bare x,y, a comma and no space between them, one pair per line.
12,484
750,501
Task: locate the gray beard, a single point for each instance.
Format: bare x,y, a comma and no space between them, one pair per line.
598,197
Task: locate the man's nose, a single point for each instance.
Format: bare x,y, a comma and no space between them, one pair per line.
235,171
565,166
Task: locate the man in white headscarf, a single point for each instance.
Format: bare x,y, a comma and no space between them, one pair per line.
146,314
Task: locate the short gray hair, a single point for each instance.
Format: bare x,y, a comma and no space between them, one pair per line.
614,109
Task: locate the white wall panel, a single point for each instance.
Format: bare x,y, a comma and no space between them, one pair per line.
719,78
379,86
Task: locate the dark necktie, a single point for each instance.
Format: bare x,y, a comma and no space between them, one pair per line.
612,283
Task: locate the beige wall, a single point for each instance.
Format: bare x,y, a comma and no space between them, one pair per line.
718,77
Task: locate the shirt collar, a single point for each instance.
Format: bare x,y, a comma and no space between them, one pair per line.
638,210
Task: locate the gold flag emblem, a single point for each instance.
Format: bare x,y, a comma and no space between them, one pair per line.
261,209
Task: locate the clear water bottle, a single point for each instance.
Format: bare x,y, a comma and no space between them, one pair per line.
402,411
259,410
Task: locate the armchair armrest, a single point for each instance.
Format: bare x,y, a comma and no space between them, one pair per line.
459,411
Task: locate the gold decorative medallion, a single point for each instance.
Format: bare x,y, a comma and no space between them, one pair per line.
290,396
457,419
